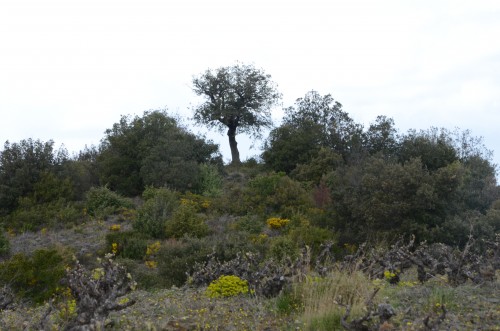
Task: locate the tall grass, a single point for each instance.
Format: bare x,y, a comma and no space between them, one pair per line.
325,299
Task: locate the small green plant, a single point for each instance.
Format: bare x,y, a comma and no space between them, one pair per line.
288,302
227,286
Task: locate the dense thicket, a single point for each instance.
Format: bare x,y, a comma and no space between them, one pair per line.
22,166
436,184
321,169
153,150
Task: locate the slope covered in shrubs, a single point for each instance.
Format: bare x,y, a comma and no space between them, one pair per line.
366,230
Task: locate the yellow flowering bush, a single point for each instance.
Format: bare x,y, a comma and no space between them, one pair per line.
200,203
153,248
115,227
226,286
277,222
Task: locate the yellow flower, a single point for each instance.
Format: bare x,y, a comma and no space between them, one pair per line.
226,286
151,264
115,227
277,223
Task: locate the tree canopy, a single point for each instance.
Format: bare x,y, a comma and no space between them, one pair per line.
152,150
238,98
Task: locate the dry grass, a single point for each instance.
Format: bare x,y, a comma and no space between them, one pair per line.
325,299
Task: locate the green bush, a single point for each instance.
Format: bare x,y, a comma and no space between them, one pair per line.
158,207
31,216
283,247
34,277
186,222
210,180
311,236
101,202
176,258
249,223
131,244
276,194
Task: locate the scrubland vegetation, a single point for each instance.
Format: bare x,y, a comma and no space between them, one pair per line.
335,226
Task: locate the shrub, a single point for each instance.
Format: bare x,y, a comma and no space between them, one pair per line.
186,221
31,216
283,247
158,207
276,194
277,223
249,223
177,257
101,202
311,236
227,286
210,180
34,277
131,244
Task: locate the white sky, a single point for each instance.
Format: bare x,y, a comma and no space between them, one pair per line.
70,68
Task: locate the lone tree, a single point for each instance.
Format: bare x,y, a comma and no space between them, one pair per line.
239,97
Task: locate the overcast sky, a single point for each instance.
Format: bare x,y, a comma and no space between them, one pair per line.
70,68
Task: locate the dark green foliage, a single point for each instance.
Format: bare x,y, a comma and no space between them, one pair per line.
381,137
4,244
101,202
314,122
185,221
158,206
238,98
152,150
34,277
22,165
48,204
131,244
31,216
434,148
382,196
324,162
275,194
82,171
177,257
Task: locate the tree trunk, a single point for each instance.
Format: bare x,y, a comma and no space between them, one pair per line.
235,154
